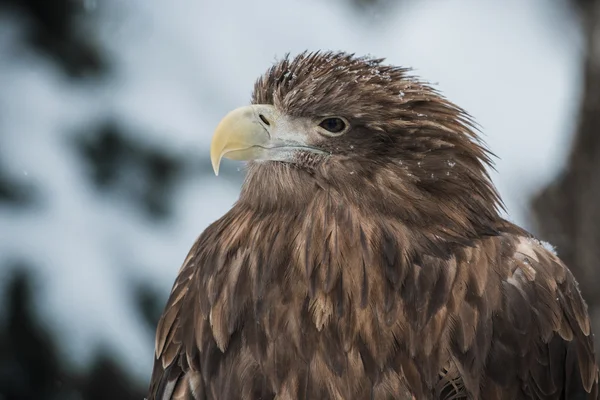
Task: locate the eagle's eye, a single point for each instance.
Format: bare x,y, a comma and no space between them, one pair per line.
333,126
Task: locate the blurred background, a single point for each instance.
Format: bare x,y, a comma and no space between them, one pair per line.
106,113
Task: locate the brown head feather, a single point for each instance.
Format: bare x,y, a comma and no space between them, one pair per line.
410,153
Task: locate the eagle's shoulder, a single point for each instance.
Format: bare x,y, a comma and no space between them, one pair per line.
198,333
536,341
171,376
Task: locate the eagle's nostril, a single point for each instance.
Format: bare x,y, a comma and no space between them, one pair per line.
263,119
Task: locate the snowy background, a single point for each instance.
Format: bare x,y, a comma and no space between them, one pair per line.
106,171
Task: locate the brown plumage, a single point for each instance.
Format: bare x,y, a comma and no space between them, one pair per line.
368,262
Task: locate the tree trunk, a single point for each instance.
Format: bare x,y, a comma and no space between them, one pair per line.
567,212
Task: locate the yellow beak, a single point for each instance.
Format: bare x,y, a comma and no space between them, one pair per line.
239,136
258,132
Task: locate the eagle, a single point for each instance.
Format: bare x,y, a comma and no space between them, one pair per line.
366,257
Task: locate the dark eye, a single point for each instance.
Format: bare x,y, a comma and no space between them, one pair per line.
333,125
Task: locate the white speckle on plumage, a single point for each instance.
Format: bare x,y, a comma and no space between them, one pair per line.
551,248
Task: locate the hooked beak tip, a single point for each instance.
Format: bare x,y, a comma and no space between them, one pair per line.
216,164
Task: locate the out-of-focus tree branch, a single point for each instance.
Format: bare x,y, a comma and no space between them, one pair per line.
53,29
567,212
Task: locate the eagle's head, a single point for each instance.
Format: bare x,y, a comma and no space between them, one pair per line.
365,133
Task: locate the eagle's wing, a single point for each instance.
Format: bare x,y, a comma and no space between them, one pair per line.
527,337
199,354
175,375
